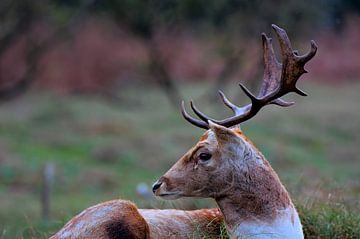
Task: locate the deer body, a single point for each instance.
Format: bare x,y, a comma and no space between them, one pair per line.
183,224
120,219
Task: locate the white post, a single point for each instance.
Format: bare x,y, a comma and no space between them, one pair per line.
48,175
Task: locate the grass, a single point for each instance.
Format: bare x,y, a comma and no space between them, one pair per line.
330,221
102,151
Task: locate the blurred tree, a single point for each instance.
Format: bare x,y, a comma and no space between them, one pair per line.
231,19
143,18
337,11
19,19
16,19
240,21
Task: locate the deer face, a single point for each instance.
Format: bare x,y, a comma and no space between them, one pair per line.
207,169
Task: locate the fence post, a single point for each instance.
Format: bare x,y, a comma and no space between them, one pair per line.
48,174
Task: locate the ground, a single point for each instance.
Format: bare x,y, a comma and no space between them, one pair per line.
102,150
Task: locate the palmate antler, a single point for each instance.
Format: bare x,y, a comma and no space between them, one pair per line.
278,80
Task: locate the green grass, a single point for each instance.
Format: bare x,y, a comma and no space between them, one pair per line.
330,221
103,151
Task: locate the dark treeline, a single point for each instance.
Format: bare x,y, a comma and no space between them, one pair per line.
232,19
241,16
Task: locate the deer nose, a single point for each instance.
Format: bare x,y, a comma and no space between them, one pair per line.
156,186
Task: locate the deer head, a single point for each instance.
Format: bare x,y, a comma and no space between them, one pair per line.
224,163
210,168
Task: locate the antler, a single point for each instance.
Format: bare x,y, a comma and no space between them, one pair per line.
278,80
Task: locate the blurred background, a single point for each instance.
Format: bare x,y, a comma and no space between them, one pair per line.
90,96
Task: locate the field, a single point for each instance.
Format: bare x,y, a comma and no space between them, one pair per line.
103,150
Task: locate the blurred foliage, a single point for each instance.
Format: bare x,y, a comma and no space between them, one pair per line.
240,16
143,16
45,24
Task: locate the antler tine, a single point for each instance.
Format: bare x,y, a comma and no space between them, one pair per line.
272,68
272,72
293,64
282,103
201,115
192,120
307,57
237,110
227,102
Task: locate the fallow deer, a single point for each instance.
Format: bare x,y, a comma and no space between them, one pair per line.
224,165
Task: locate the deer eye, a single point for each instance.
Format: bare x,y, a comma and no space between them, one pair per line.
204,156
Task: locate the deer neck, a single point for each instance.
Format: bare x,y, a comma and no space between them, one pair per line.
257,195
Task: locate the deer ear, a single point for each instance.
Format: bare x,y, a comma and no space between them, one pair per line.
224,135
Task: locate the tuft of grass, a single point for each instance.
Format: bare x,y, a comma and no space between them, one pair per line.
211,231
330,220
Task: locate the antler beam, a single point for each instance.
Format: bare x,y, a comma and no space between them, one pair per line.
279,79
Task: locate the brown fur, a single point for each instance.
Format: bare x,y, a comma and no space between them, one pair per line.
121,229
204,136
258,194
239,132
117,219
261,190
179,224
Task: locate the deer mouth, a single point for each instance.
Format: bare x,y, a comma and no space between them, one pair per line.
170,196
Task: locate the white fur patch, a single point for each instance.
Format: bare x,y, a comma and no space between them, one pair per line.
286,226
